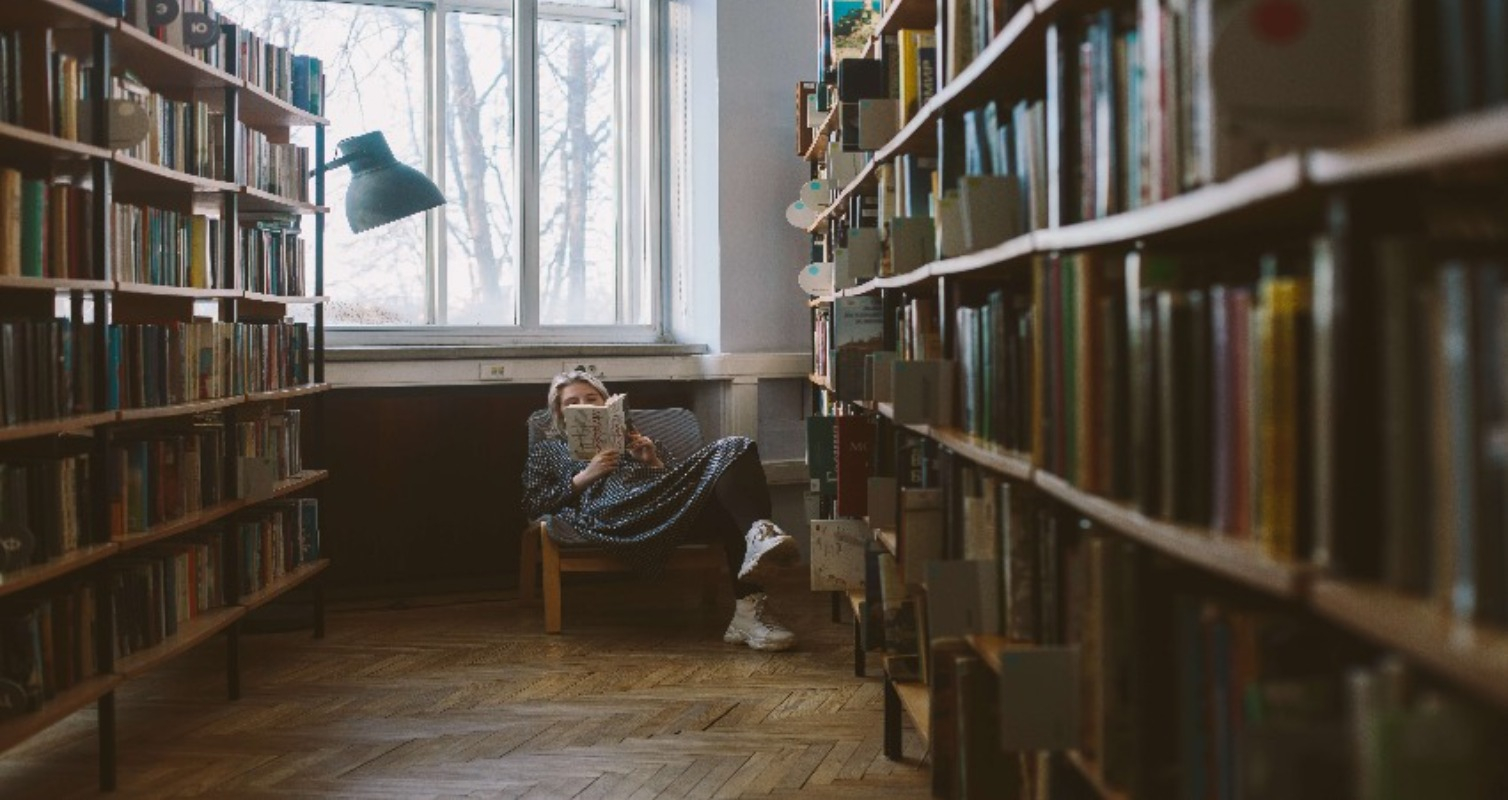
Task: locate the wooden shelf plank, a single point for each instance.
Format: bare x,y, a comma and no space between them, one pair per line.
51,14
1015,249
856,602
1093,775
1470,138
138,177
50,427
272,591
920,278
989,455
152,289
1422,630
190,633
1234,559
916,701
16,730
907,14
26,142
818,149
180,409
1250,192
54,284
261,110
219,511
167,530
295,484
286,299
261,201
288,393
164,67
27,577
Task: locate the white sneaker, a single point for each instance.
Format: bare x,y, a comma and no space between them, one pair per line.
766,545
753,626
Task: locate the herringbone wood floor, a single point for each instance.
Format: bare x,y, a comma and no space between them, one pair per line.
466,697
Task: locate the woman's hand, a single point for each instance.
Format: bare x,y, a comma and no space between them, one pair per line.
642,448
598,468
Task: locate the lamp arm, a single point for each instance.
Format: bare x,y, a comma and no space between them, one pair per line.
329,165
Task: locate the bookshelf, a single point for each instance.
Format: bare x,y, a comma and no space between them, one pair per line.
1259,377
152,403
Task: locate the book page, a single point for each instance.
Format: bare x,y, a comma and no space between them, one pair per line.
592,429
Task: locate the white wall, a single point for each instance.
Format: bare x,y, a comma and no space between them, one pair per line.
746,57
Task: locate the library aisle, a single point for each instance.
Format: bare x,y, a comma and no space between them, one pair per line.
465,696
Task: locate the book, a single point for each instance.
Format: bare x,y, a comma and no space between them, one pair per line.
591,429
837,554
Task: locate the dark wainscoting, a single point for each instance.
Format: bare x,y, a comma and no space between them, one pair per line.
424,490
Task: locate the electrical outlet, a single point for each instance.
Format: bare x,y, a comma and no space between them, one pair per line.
567,366
493,372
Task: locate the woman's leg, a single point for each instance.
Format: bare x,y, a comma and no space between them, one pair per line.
716,520
742,491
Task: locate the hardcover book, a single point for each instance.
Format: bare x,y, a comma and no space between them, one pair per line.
592,429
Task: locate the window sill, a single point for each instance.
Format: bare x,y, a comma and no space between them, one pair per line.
371,366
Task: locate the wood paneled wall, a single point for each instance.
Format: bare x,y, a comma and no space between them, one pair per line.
424,489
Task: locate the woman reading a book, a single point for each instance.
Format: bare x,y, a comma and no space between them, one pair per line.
640,502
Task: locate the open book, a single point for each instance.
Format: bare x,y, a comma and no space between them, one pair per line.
592,429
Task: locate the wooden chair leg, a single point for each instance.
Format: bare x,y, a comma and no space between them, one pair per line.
528,563
550,578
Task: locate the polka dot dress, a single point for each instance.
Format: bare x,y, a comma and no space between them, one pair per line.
638,512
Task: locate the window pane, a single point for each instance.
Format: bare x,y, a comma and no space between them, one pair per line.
481,256
544,7
579,169
374,81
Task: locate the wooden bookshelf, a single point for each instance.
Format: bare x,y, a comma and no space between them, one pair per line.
260,200
58,14
136,177
818,149
17,729
303,574
32,430
193,292
285,299
289,393
190,633
1475,656
68,563
1236,560
916,701
987,454
261,109
161,66
97,39
180,409
168,530
1471,139
42,145
1300,219
1263,193
53,284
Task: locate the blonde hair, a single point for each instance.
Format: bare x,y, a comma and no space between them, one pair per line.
559,384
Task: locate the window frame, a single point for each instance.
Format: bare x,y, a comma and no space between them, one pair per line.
641,160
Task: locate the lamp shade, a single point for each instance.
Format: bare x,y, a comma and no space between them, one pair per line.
382,190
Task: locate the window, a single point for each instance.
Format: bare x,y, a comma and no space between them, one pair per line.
531,117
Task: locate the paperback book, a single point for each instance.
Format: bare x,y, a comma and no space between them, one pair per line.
591,429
